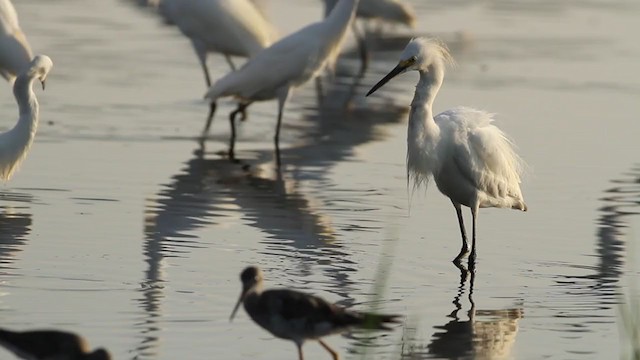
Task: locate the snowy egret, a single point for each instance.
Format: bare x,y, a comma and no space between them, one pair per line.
289,63
15,143
388,11
50,344
472,161
298,316
229,27
15,52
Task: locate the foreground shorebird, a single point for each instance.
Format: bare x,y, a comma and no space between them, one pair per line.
15,143
472,161
49,345
298,316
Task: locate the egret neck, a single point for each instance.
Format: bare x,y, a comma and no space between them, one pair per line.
421,122
27,105
336,25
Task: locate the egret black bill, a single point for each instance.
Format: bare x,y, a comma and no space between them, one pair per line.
396,70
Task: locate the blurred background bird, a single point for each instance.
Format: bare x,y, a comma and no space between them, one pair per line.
15,52
394,12
50,345
287,64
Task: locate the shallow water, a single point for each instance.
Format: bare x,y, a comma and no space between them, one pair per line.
118,227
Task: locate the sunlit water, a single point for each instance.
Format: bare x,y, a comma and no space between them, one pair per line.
117,227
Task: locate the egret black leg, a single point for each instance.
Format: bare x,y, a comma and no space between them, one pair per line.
230,62
333,353
319,91
361,40
465,244
207,125
282,99
232,121
474,216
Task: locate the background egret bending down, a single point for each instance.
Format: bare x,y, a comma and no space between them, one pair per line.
288,63
388,11
15,52
472,161
298,316
15,143
230,27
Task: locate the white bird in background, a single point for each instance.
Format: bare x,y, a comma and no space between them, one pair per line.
289,63
472,161
15,52
15,143
229,27
385,11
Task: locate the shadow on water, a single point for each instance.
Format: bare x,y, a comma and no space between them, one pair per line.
210,192
620,201
15,226
482,334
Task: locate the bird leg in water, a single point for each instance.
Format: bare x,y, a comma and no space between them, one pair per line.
232,121
361,40
333,353
465,245
207,125
282,99
300,356
201,52
474,215
230,62
319,91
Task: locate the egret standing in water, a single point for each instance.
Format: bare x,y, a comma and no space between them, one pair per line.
388,11
15,52
15,143
472,161
285,65
298,316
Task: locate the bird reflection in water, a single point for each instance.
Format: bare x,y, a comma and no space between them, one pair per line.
484,334
15,226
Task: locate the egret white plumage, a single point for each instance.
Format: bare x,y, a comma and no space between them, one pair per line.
15,143
229,27
15,52
387,11
471,160
287,64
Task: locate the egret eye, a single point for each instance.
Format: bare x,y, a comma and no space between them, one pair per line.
414,58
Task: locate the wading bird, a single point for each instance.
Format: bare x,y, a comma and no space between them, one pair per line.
472,161
298,316
49,345
229,27
15,143
386,11
15,52
285,65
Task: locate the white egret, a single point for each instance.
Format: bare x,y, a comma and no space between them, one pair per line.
229,27
287,64
297,316
15,143
386,11
471,160
15,52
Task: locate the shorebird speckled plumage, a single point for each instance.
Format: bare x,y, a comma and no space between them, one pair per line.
298,316
49,345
